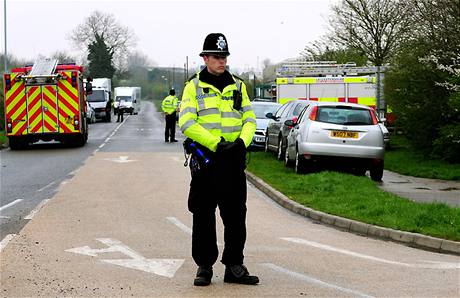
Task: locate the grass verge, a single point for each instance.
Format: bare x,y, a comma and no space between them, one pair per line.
404,160
357,198
3,138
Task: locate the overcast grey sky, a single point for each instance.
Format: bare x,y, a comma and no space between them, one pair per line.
168,31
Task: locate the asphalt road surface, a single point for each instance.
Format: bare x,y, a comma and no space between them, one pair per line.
119,226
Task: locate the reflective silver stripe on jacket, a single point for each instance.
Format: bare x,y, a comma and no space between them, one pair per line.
231,115
230,129
249,120
246,108
211,125
188,110
199,94
187,124
211,111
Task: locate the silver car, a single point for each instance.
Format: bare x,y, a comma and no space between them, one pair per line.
261,109
340,134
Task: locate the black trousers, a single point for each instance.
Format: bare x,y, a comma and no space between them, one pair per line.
170,127
120,114
225,187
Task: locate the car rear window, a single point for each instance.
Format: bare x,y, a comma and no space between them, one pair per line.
344,115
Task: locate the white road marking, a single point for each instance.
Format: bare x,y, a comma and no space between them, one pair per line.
45,187
313,280
180,225
163,267
121,159
61,185
436,265
39,206
10,204
6,240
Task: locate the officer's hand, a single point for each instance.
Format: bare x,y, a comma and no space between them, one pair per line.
235,150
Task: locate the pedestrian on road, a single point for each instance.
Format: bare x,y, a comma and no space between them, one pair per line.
120,111
170,107
217,117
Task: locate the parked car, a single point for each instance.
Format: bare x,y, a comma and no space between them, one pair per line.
277,132
90,113
343,134
261,109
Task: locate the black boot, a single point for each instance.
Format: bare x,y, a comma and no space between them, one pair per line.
239,274
203,276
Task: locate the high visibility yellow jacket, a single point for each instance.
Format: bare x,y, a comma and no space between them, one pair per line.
169,104
205,117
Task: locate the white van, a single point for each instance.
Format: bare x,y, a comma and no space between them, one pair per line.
129,98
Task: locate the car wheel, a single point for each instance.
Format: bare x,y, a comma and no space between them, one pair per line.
280,152
287,161
376,171
266,142
299,166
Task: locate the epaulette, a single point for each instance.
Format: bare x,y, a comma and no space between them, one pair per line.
191,78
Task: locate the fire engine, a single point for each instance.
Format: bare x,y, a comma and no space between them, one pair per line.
328,81
45,102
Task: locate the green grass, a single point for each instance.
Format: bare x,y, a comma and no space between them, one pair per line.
357,198
404,160
3,138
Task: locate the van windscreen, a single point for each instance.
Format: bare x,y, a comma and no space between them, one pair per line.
96,96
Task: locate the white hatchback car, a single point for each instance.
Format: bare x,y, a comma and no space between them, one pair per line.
341,134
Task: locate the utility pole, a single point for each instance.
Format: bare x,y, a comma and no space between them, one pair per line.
6,54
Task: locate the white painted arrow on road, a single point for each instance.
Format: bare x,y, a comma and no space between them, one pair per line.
163,267
120,159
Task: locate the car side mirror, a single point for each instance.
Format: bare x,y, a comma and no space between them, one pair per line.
269,115
289,123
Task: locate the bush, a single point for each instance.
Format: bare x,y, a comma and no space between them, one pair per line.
447,145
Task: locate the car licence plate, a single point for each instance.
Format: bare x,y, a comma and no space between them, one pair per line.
344,134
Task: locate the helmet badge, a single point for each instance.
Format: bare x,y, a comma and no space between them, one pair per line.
221,44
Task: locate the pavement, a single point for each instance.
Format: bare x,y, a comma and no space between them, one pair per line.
422,189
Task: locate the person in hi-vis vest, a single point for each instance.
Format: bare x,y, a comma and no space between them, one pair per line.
217,118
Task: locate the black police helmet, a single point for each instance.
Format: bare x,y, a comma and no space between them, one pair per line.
215,44
172,92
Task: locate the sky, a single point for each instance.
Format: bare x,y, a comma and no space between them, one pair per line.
169,31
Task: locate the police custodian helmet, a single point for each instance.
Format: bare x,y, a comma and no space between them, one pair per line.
215,44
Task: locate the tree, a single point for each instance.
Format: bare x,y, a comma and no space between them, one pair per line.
118,39
423,82
375,28
100,59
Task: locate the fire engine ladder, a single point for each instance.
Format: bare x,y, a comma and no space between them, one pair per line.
42,70
298,68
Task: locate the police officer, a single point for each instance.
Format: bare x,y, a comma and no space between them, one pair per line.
217,117
120,111
169,107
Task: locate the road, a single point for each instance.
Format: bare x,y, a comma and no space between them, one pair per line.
120,227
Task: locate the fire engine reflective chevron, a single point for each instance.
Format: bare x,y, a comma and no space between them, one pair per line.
15,107
45,104
206,116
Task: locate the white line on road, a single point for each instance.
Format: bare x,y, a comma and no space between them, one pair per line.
180,225
45,187
39,206
313,280
367,257
10,204
6,240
